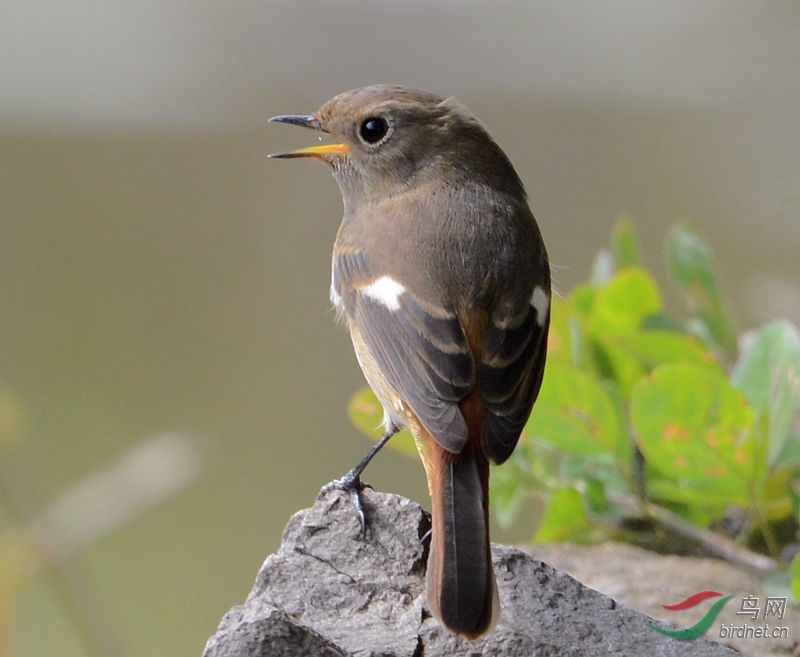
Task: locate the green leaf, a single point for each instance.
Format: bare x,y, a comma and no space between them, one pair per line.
796,578
559,339
581,299
564,517
692,268
694,499
768,373
615,363
618,311
696,429
596,495
661,322
794,496
366,413
656,347
622,304
629,356
506,493
789,457
624,245
574,412
776,498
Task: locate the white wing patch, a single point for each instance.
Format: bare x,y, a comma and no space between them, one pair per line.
541,304
336,300
384,290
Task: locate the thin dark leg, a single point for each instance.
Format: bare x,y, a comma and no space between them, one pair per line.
351,483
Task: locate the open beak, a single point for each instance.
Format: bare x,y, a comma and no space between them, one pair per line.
308,121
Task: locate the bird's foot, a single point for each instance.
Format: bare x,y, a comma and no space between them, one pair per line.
352,485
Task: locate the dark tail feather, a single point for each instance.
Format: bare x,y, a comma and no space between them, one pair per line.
461,588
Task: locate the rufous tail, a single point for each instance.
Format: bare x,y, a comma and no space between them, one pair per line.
462,592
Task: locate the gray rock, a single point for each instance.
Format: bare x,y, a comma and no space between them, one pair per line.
644,580
328,591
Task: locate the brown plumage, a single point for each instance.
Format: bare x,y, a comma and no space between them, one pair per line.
442,278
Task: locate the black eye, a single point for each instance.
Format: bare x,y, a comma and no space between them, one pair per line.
373,129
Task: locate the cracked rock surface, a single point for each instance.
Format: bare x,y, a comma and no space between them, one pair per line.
331,592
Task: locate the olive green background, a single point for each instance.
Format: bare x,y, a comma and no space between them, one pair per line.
159,274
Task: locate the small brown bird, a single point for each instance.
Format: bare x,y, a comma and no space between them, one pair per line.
442,278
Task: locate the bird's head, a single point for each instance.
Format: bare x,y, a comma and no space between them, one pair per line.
389,138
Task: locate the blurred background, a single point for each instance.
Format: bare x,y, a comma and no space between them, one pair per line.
172,384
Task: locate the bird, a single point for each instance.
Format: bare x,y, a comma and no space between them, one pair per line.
441,276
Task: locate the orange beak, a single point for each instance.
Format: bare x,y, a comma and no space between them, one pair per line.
308,121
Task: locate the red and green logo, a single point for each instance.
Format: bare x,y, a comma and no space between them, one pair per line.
701,627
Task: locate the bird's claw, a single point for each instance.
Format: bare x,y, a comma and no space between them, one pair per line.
352,485
426,536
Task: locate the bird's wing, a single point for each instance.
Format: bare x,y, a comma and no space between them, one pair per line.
511,370
419,345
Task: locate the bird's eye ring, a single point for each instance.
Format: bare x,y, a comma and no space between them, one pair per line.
373,129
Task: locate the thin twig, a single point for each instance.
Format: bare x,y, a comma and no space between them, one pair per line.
719,545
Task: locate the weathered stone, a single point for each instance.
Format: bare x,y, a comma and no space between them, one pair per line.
330,591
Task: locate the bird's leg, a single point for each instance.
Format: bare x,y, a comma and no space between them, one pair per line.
351,482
